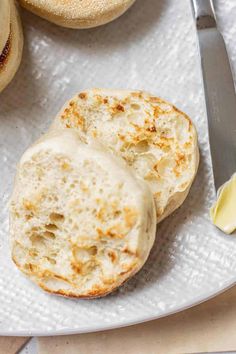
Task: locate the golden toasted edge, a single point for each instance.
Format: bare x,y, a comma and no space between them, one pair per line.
113,92
4,56
80,20
11,60
177,200
93,294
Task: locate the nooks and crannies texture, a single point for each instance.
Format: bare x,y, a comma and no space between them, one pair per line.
154,138
81,222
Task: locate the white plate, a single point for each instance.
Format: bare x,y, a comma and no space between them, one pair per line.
151,47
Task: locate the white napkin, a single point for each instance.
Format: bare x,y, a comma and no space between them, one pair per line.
208,327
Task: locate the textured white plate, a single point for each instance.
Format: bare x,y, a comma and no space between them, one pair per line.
151,47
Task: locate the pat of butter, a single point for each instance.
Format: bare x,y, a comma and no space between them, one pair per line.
223,212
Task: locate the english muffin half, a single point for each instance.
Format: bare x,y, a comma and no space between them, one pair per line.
4,23
78,13
10,56
154,138
81,223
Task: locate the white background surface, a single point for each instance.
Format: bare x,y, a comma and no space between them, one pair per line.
151,47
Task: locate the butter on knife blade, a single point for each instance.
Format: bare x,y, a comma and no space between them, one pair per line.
223,212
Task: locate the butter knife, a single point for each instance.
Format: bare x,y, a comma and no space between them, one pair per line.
219,92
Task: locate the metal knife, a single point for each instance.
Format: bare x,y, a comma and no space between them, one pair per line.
219,92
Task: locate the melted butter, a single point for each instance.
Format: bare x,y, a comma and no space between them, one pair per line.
223,212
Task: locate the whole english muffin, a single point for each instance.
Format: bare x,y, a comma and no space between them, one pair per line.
155,138
80,222
78,13
10,57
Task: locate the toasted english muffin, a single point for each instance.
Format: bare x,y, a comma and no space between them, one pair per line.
78,13
4,23
81,223
155,138
10,57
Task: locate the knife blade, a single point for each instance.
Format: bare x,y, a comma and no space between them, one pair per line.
219,92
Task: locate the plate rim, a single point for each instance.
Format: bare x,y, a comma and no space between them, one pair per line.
121,324
227,283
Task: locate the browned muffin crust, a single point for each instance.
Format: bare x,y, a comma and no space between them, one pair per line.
5,54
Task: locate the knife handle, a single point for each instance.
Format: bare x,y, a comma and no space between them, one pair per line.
204,14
